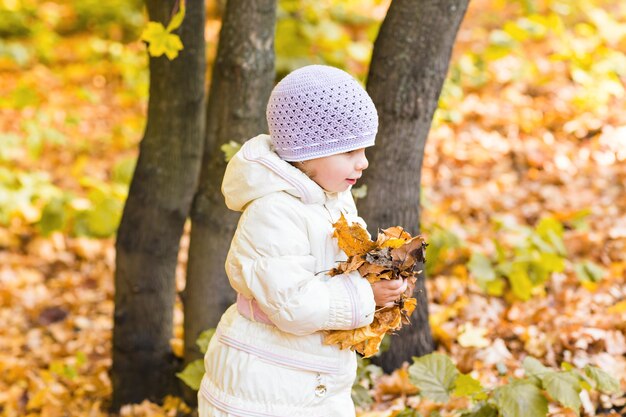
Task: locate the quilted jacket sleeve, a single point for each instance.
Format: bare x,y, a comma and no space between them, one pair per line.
270,259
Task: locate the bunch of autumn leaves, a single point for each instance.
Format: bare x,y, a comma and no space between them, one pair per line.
394,255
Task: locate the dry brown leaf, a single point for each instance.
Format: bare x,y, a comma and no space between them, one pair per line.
398,383
372,278
368,268
409,254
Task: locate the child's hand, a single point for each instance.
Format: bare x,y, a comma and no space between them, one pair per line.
387,291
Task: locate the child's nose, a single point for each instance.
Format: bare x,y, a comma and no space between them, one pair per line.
362,163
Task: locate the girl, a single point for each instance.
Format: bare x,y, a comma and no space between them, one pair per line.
267,357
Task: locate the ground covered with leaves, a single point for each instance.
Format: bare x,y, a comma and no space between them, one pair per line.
524,197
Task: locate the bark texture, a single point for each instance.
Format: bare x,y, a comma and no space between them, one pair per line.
242,80
159,201
409,65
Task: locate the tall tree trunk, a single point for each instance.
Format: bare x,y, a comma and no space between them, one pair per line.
408,68
243,77
159,200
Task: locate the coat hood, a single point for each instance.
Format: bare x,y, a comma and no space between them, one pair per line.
256,171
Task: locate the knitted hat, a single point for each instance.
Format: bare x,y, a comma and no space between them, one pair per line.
318,111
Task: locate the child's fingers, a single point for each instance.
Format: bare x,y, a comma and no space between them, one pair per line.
394,284
387,292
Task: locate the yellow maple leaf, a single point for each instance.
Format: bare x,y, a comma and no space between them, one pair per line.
349,338
370,347
393,243
409,305
396,232
352,239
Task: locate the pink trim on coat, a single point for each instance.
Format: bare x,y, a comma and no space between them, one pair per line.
276,358
304,192
250,309
352,293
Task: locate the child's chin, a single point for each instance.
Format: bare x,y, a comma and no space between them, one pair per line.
337,189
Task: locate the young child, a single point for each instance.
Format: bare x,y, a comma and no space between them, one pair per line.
267,357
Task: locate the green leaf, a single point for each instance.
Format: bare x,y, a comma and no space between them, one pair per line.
549,224
541,244
485,410
81,358
22,96
585,384
53,216
496,287
230,149
480,266
537,273
551,231
533,367
604,382
564,387
161,41
466,386
520,282
177,19
521,399
409,412
502,368
10,146
361,396
552,262
435,375
515,31
589,271
557,242
172,46
192,374
153,31
500,251
123,170
204,339
105,217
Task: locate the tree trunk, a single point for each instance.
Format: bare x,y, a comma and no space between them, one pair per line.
243,77
408,68
159,200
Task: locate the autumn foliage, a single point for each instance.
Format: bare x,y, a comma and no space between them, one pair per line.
394,255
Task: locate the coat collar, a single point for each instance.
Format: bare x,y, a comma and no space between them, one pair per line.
256,171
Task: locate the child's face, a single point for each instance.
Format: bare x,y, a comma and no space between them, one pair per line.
336,173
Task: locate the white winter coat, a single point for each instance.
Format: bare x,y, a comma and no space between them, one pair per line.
280,255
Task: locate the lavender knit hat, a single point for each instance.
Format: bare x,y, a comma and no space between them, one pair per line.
318,111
